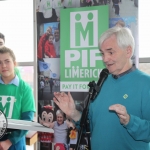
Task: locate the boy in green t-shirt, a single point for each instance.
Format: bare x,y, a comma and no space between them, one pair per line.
16,99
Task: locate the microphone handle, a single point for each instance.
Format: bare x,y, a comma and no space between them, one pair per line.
103,76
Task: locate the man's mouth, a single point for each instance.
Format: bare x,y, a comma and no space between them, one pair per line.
4,70
109,65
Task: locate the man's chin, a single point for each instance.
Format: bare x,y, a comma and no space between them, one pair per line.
111,71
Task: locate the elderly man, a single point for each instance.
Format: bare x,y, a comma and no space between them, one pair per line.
120,114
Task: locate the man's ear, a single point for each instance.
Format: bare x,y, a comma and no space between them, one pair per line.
129,51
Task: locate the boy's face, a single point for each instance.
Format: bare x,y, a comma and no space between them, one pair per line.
7,66
51,38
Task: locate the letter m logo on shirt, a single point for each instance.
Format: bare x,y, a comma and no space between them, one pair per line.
6,105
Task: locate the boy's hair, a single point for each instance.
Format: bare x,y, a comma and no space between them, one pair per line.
2,36
5,49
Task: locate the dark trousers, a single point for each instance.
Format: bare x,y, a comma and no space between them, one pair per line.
117,9
51,88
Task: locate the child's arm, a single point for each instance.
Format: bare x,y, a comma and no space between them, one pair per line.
50,124
46,50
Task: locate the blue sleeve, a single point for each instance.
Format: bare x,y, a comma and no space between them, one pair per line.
139,127
16,136
78,127
78,123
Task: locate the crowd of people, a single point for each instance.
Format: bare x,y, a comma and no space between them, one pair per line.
49,11
47,82
65,134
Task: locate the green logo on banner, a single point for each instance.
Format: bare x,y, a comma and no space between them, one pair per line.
81,61
87,32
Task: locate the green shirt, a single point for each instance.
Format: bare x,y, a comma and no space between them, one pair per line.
14,100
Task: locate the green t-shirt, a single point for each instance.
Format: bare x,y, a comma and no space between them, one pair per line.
14,100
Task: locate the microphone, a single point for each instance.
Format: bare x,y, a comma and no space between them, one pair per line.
103,75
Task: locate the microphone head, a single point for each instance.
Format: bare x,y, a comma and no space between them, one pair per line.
104,72
103,75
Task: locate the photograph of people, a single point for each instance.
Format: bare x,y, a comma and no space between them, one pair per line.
45,7
60,127
57,42
49,49
49,74
57,5
123,8
42,41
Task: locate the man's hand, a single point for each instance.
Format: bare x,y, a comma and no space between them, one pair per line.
66,103
4,145
121,112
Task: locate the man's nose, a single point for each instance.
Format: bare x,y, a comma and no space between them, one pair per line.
105,58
